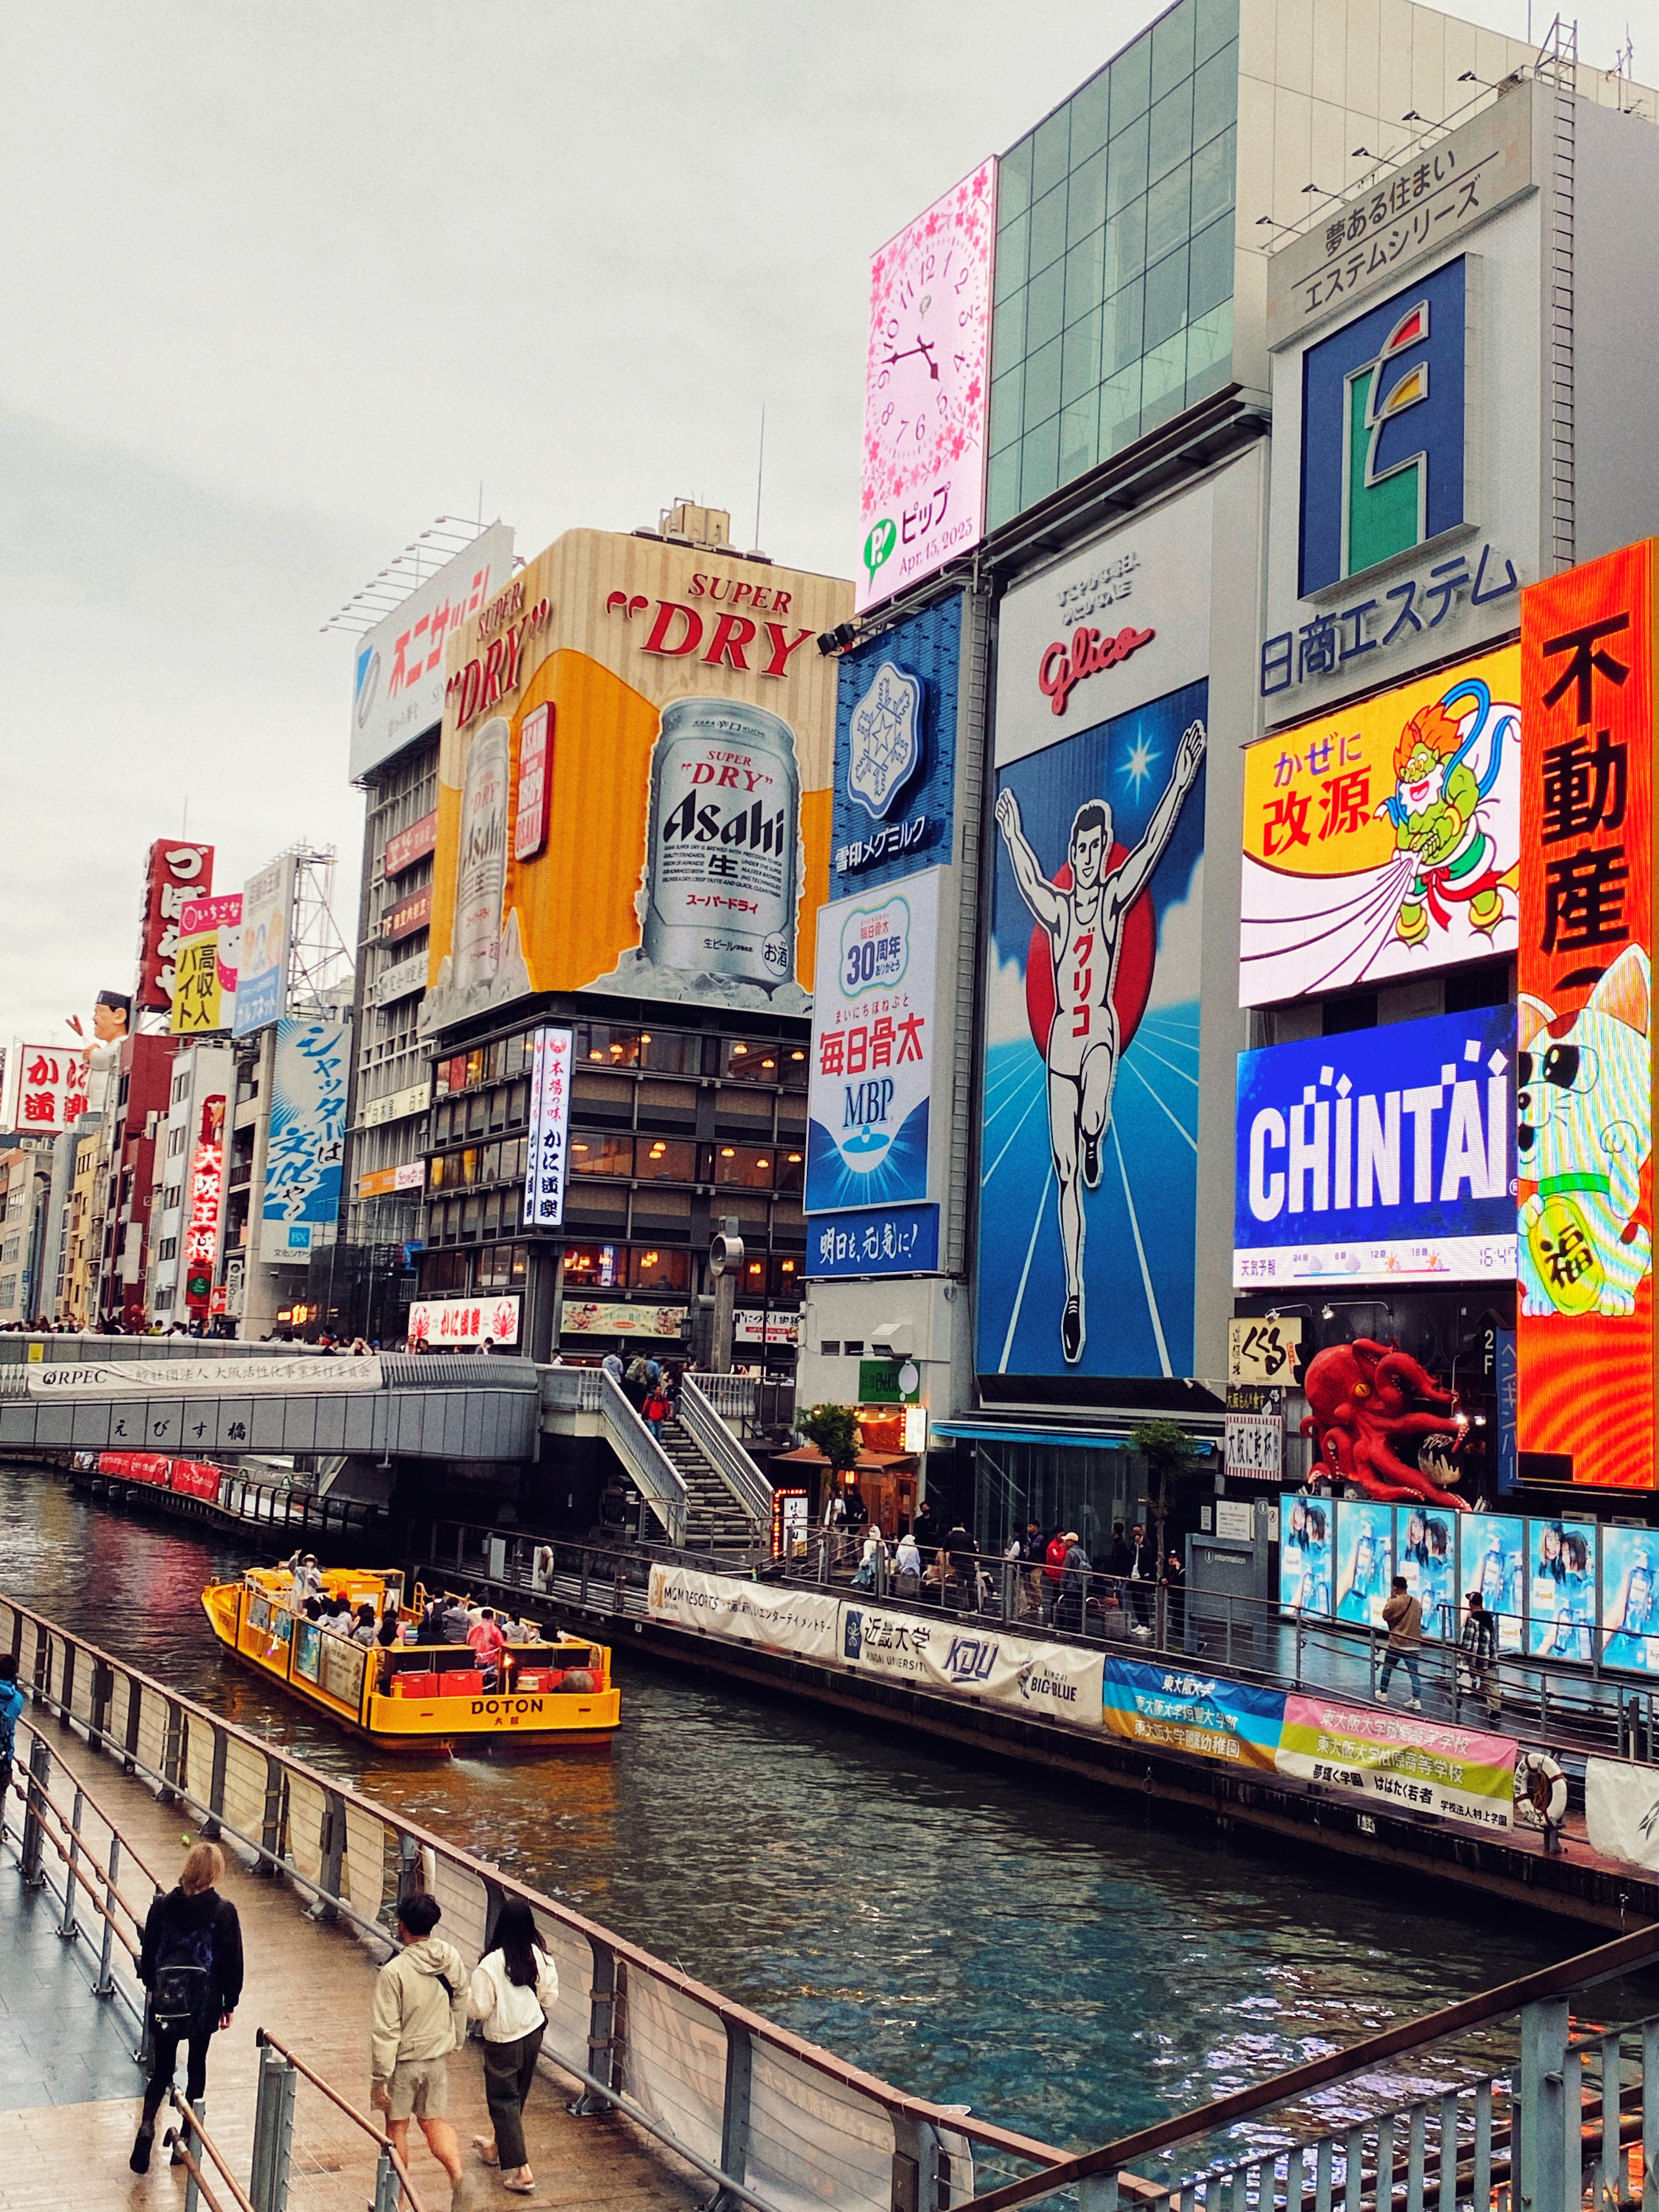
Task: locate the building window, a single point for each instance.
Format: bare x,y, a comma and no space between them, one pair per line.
665,1159
596,1155
753,1167
751,1059
167,1249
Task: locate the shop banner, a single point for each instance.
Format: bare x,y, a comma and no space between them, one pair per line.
1422,1765
1048,1681
589,1317
800,1622
199,1378
436,1322
1621,1811
1175,1710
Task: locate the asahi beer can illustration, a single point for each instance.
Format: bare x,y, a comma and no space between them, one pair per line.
722,857
481,868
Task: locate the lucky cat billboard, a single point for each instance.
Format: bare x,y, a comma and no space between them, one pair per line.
1585,1078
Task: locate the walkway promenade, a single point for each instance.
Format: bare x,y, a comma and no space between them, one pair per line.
69,2088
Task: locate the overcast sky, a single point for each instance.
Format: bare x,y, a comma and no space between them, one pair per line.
281,284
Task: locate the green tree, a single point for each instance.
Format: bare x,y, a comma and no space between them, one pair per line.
833,1430
1167,1451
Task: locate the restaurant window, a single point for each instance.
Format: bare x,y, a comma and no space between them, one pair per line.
601,1045
470,1164
750,1166
787,1279
649,1269
791,1169
794,1067
663,1159
518,1103
672,1052
750,1060
474,1069
596,1155
595,1267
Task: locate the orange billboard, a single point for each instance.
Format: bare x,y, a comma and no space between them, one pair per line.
634,782
1584,1085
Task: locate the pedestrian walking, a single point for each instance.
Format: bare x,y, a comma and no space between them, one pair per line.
1073,1584
1477,1657
1030,1553
959,1549
654,1412
511,1989
873,1561
190,1964
1143,1571
1054,1567
1403,1617
419,2018
11,1705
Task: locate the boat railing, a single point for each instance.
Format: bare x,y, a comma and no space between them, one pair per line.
777,2120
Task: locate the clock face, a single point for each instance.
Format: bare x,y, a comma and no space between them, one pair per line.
926,388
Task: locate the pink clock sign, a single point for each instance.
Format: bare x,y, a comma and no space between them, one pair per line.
927,391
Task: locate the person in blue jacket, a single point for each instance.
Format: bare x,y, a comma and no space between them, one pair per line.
11,1705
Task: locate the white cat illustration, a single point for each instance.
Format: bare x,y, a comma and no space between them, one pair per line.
1584,1129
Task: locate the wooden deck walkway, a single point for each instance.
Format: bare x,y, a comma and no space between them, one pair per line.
69,2092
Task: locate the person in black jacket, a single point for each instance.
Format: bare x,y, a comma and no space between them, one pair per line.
174,1936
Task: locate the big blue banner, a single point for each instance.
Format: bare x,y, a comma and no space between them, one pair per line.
1088,1158
1381,1152
886,1240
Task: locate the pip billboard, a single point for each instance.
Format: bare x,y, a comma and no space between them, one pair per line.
1089,1166
896,752
305,1147
926,387
1585,1337
1379,1154
685,795
1383,839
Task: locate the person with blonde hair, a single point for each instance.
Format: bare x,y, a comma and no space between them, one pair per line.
191,1966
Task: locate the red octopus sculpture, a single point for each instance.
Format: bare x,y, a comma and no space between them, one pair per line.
1365,1400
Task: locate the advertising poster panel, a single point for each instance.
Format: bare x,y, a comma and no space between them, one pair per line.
1383,839
262,970
205,986
1428,1561
1630,1599
1411,1764
1365,1561
1561,1563
1049,1681
594,1317
1304,1555
398,672
895,752
871,1084
176,870
802,1623
1380,1154
305,1148
45,1090
205,1205
439,1321
927,391
1492,1549
1172,1709
687,797
1585,1332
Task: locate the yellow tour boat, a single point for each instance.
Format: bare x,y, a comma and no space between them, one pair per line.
429,1697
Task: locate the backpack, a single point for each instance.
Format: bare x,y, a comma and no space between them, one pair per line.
186,1996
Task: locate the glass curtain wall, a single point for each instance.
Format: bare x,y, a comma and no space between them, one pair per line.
1114,258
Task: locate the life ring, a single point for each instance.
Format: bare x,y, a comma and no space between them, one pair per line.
1540,1789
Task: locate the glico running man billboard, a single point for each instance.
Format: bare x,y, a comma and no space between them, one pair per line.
634,782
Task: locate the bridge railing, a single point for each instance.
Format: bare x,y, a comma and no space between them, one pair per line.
780,2122
714,1440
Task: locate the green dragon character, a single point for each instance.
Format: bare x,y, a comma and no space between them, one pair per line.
1435,814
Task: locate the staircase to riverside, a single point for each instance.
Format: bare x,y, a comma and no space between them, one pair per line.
715,1518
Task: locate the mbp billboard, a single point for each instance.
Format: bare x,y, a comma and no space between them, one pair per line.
398,673
678,796
896,752
305,1146
927,391
1379,1155
1585,1328
1089,1159
1383,839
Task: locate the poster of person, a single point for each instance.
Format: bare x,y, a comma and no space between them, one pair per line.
1630,1608
1562,1568
1088,1169
1427,1562
1493,1560
1364,1552
1384,839
1304,1555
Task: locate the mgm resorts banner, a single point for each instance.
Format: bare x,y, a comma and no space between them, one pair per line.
802,1623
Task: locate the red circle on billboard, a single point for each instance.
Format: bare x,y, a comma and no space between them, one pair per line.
1133,984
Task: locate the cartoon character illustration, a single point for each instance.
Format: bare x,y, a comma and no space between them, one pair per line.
1362,1410
1584,1130
1085,922
1438,816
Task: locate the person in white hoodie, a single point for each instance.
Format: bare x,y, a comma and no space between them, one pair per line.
512,1988
419,2018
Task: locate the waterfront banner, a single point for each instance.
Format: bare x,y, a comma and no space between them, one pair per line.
1175,1710
197,1378
1621,1811
1049,1681
1424,1766
802,1623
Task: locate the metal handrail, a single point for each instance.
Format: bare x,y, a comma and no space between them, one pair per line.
735,1468
193,2126
264,2038
726,1394
655,1476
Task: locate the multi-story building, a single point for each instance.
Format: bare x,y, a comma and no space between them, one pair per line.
77,1305
135,1105
187,1204
25,1189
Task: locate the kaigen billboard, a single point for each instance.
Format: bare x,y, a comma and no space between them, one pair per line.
686,799
869,1093
895,752
1088,1165
926,390
305,1148
1383,839
1378,1154
1585,1108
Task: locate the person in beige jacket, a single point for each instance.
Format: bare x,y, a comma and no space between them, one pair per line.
1403,1617
419,2018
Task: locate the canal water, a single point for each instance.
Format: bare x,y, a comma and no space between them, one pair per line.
971,1933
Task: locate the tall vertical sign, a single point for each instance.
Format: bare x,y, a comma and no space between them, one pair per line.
550,1125
1584,1083
206,1195
175,871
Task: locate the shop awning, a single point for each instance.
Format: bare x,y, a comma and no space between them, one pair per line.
1079,1439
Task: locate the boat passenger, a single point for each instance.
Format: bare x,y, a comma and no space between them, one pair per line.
430,1629
366,1627
488,1641
457,1621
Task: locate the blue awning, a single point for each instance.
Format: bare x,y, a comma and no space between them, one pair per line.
1079,1439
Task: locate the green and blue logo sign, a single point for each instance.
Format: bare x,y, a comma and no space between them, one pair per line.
1382,431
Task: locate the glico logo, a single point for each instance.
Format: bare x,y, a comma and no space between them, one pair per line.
1382,431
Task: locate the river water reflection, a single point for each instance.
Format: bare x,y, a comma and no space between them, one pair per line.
974,1935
